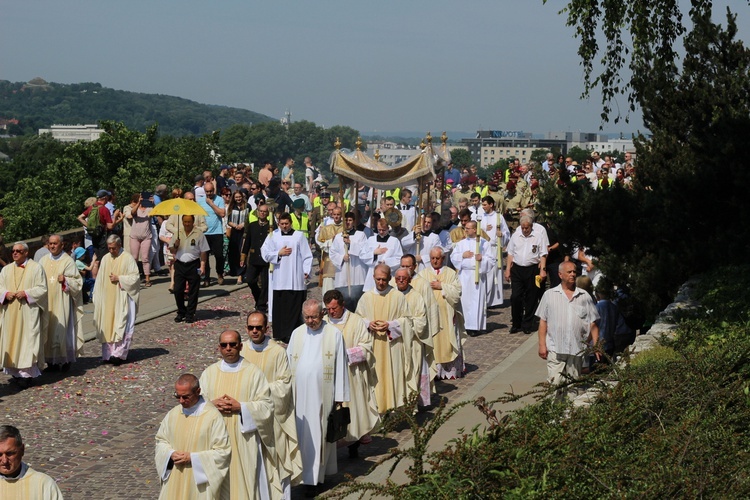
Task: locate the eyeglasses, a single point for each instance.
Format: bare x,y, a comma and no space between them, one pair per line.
16,250
252,328
228,344
401,278
182,396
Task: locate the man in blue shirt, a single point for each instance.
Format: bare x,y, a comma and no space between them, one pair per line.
214,207
451,173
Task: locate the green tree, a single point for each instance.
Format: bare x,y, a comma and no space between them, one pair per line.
461,158
680,217
539,155
579,154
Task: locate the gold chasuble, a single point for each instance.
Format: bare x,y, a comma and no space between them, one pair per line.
31,485
446,347
362,377
274,364
111,299
247,385
391,353
23,322
65,308
203,434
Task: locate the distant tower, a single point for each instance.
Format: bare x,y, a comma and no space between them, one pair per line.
287,119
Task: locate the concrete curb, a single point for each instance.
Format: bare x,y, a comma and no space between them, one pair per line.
381,472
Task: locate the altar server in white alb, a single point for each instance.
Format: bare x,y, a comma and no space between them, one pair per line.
381,248
351,272
423,239
320,378
289,253
466,259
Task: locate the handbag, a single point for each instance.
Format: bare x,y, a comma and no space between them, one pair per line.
338,421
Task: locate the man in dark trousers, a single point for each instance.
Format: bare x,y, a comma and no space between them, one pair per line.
191,253
257,268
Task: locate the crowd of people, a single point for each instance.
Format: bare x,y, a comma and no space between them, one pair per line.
405,276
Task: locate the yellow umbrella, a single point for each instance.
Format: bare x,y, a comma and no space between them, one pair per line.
178,206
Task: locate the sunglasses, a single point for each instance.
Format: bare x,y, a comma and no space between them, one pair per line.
228,344
251,328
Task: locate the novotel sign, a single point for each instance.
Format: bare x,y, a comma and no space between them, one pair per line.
513,134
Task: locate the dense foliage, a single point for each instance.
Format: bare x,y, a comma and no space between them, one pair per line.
39,104
126,161
688,209
676,425
275,142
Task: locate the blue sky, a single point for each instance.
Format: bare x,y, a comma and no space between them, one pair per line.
376,66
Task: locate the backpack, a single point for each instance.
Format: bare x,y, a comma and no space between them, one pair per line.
93,223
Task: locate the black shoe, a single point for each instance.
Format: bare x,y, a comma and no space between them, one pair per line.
65,367
354,450
189,319
471,333
179,318
116,361
527,331
311,491
515,329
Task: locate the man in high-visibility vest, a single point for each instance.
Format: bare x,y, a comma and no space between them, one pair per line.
300,220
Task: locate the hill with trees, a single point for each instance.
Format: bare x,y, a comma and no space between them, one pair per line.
38,104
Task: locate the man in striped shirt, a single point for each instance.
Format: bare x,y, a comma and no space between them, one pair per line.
567,322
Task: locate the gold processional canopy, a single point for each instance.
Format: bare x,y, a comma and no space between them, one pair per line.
361,168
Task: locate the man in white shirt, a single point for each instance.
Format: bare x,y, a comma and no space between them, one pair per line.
527,257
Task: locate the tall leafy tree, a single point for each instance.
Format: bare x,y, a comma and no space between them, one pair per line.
688,208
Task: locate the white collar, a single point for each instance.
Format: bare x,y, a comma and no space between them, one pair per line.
21,474
260,347
231,367
195,409
342,319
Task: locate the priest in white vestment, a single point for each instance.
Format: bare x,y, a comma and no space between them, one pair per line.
381,248
493,223
351,271
466,259
422,240
270,357
448,341
421,357
192,446
18,481
385,312
64,334
362,377
320,379
115,297
23,304
239,390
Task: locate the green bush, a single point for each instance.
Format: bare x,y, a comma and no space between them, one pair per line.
674,426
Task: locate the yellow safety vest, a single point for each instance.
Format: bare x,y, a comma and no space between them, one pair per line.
252,216
483,190
302,224
395,193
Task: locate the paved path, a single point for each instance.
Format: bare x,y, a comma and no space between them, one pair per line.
93,428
